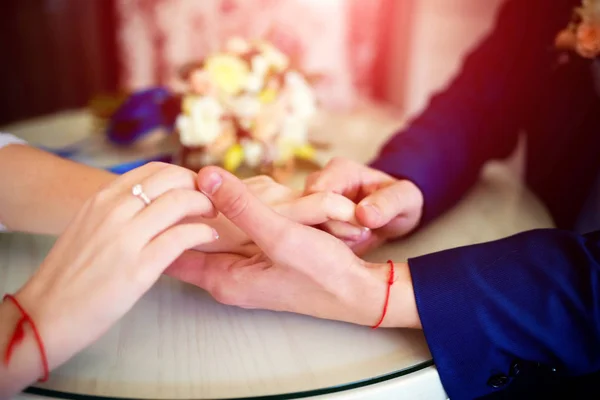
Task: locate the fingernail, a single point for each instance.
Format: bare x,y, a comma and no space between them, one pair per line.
211,184
371,209
215,234
360,234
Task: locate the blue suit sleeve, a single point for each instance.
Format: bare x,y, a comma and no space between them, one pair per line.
533,297
478,116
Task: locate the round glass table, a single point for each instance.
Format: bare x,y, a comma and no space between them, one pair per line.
178,343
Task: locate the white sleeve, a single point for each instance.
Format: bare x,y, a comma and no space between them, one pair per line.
5,140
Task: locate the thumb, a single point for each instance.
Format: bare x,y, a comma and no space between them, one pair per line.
385,204
234,200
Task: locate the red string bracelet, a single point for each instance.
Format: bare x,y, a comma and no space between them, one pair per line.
19,335
387,295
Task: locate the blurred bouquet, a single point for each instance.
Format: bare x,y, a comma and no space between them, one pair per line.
583,33
246,107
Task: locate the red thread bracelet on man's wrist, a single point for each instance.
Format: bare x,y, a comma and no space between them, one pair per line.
387,295
19,335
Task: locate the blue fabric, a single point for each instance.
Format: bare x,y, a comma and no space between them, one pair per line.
534,297
143,112
589,220
126,167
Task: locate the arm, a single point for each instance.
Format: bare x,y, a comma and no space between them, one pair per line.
528,299
533,297
43,192
114,239
478,117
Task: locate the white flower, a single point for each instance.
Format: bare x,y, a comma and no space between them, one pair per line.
253,152
302,100
203,123
295,130
260,65
254,83
246,107
237,45
256,79
273,56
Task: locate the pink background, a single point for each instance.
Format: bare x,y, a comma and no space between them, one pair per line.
336,38
398,51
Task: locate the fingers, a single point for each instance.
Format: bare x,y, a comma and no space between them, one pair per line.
318,208
346,177
339,176
134,177
233,199
169,245
167,210
206,271
346,231
120,204
265,188
155,185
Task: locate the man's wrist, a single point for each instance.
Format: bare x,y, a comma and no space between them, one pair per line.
401,310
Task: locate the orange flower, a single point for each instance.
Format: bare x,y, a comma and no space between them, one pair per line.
588,40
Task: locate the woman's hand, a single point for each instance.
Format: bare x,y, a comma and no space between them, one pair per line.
292,267
313,209
111,254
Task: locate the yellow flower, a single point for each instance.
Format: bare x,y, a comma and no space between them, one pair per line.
187,103
288,149
285,152
305,152
233,158
267,96
227,72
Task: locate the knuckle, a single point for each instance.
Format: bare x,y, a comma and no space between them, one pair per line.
312,181
259,183
328,200
157,165
101,197
153,167
235,205
264,179
181,177
397,194
176,198
93,202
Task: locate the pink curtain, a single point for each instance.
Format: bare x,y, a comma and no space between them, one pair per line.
340,39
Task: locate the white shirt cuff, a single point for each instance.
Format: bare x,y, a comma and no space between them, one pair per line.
5,140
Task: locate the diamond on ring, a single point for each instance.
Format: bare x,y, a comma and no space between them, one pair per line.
137,191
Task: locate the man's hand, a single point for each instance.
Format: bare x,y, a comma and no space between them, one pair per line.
389,207
311,210
292,267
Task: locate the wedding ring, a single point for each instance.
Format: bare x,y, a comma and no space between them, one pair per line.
137,191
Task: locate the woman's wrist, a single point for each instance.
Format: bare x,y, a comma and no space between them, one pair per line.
24,366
